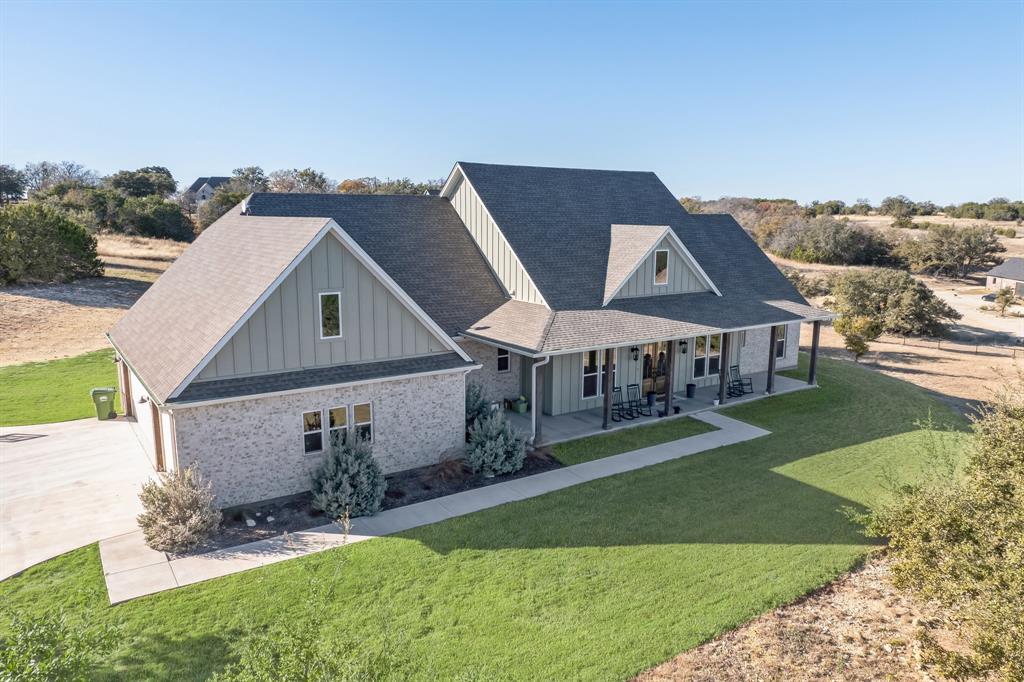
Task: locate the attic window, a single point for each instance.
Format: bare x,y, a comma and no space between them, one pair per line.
661,267
330,315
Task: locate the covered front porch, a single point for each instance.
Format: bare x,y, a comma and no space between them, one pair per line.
565,427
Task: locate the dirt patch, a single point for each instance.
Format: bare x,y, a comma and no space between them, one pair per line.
857,628
49,321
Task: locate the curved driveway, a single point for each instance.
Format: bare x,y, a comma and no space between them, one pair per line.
66,485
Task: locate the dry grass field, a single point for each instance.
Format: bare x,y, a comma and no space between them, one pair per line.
48,321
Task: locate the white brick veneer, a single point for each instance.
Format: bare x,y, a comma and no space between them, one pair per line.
496,386
252,449
754,355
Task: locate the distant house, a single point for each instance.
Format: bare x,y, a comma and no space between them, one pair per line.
203,188
1009,274
298,317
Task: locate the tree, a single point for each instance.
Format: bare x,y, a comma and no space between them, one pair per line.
251,178
223,200
857,332
306,180
826,240
12,184
39,243
895,299
144,182
896,206
861,207
955,537
152,216
43,175
373,185
952,251
1004,299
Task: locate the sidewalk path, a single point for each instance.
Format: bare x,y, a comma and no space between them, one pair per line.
132,569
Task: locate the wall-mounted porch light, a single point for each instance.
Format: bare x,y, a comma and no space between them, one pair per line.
636,353
682,346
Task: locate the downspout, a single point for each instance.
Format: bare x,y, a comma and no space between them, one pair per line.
533,398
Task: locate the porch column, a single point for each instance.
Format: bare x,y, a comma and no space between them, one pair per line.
812,378
670,369
723,367
772,339
538,401
609,359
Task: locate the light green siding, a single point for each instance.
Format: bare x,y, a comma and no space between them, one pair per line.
492,244
284,332
681,277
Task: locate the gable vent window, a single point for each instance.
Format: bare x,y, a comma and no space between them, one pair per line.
661,267
330,315
504,361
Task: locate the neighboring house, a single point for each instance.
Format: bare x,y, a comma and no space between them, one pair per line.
1009,274
203,188
296,316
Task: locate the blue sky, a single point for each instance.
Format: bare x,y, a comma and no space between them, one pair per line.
803,100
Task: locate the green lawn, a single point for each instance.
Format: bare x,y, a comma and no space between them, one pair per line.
616,442
594,582
55,391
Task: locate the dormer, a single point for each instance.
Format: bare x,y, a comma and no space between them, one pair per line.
651,260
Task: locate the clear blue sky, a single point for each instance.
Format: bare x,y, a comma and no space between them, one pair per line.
803,100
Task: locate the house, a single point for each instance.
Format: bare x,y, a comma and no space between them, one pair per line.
299,316
1009,274
203,188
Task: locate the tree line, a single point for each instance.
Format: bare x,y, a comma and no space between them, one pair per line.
898,206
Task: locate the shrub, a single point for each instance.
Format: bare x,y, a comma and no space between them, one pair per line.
957,539
903,221
50,647
895,299
1006,232
954,251
495,447
809,287
857,332
350,479
38,243
827,240
154,216
178,511
476,406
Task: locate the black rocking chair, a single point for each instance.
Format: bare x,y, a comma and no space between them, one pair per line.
637,406
620,410
738,385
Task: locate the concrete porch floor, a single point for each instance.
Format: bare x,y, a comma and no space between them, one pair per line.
574,425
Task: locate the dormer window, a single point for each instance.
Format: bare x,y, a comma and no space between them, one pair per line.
661,267
330,315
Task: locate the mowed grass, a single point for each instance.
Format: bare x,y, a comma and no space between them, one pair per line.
617,442
55,391
595,582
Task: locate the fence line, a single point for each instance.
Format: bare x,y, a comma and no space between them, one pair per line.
956,346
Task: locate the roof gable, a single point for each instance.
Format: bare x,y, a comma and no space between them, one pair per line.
628,247
1011,268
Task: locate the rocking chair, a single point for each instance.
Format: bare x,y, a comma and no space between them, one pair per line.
738,385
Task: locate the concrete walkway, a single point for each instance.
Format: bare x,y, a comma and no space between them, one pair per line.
132,569
64,486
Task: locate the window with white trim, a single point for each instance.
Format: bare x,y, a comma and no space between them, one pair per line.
362,420
330,315
780,341
504,361
593,380
337,424
661,267
707,355
312,432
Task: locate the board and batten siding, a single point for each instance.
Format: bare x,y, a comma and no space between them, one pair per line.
492,244
681,277
284,332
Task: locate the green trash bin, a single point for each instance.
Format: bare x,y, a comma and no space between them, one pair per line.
103,399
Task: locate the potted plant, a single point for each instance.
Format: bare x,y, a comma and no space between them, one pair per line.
652,398
520,405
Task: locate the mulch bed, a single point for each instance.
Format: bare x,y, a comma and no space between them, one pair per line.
294,513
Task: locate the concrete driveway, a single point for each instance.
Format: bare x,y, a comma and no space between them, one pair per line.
64,486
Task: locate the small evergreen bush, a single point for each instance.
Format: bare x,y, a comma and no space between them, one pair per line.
40,244
178,511
476,405
349,480
495,447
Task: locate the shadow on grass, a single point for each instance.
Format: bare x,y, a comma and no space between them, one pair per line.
158,656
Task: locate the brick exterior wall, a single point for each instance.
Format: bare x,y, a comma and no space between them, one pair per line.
252,450
496,386
754,355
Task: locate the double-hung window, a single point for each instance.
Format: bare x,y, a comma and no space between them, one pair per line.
330,315
661,267
594,378
707,355
312,432
362,420
780,341
337,423
504,361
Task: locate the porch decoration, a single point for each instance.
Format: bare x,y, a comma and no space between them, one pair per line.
520,405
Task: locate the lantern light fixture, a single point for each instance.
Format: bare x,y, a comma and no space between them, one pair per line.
636,353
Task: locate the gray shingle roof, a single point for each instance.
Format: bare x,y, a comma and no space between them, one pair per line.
1011,268
557,221
313,378
418,240
214,181
197,301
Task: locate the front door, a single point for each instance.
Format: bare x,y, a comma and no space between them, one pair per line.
655,365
